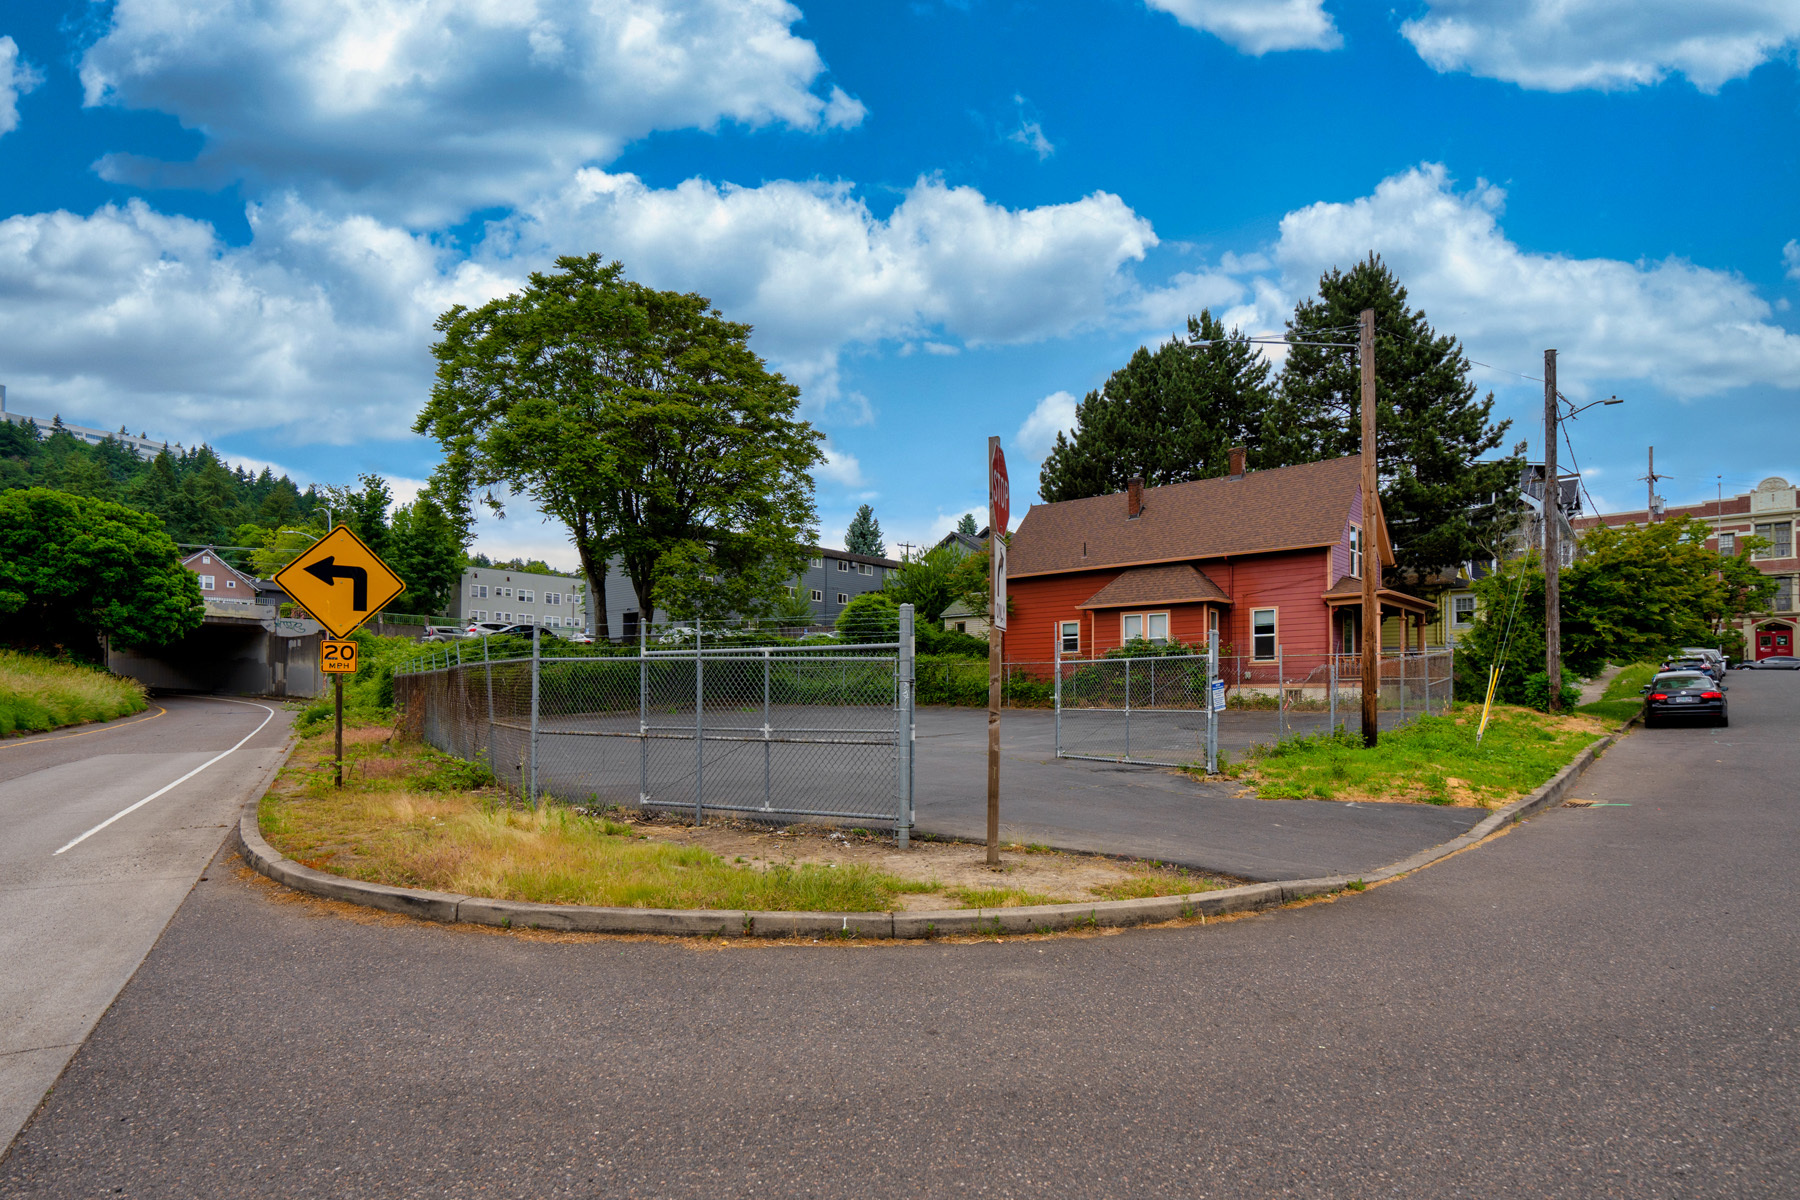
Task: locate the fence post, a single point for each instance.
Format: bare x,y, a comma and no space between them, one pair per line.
1128,708
1401,687
488,668
643,712
768,795
904,727
1057,660
535,673
1280,697
1331,701
1212,715
699,728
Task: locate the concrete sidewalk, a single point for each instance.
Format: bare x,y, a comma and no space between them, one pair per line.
1151,812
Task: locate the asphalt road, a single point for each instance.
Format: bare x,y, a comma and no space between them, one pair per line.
1599,1004
80,918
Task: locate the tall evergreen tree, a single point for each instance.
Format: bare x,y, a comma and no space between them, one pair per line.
1171,416
965,525
1444,504
424,548
864,534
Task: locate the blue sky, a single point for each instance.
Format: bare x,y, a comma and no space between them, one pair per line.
236,222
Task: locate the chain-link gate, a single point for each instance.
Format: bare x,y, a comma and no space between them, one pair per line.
1154,710
778,731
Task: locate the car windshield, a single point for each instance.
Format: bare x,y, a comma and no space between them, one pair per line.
1675,683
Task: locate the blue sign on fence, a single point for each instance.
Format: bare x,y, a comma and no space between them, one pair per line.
1218,695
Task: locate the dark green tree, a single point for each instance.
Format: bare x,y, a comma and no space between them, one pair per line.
1444,504
1171,415
864,534
965,525
640,419
425,550
75,569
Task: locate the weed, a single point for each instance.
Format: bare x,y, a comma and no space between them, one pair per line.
38,693
1358,885
997,897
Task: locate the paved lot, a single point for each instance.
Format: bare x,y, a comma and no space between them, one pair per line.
1599,1004
79,922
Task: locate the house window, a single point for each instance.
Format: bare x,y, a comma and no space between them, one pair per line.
552,597
818,596
1212,625
843,597
1070,633
526,618
231,583
474,591
525,595
843,564
1262,633
1462,611
818,562
1728,543
1784,594
962,627
1356,551
206,583
206,560
865,568
1780,536
1352,628
1150,627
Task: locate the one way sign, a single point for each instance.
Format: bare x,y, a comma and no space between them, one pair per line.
340,582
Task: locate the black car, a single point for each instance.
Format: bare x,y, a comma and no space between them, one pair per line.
1684,696
1705,666
525,631
1775,662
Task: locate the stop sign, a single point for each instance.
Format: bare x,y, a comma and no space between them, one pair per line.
999,493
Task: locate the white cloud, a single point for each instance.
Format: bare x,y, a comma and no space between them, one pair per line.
840,468
319,327
1790,255
1030,135
16,78
1258,26
1053,414
433,108
815,271
1562,45
1692,331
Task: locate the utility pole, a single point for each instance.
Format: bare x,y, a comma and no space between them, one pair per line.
1552,508
1650,481
1371,565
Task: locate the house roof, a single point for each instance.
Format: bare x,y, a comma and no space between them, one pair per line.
1286,508
192,562
960,609
1348,590
1170,583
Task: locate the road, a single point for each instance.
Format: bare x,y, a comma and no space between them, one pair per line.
1599,1004
80,918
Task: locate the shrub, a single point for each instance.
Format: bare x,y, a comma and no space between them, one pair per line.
1537,693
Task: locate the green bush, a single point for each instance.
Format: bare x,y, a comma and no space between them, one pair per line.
1537,693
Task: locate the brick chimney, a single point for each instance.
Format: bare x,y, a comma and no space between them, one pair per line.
1134,497
1237,462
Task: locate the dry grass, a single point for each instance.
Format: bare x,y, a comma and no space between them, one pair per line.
411,817
44,693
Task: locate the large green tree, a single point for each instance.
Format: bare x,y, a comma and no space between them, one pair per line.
1171,415
864,534
424,548
1444,503
74,569
643,421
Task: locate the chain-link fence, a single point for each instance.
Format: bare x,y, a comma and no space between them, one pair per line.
777,731
1165,710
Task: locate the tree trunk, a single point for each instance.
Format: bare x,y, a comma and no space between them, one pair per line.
596,581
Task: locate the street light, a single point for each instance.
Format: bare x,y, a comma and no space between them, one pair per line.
1552,507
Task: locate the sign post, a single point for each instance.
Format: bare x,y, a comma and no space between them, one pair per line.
999,513
313,580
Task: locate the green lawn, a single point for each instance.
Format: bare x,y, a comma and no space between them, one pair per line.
1434,760
39,693
1622,699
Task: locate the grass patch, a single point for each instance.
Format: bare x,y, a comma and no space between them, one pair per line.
1156,883
397,822
1612,710
1433,760
1623,698
38,693
1001,897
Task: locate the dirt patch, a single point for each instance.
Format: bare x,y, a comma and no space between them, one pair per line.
1031,875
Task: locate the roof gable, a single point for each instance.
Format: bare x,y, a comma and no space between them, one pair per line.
1171,583
1281,509
216,567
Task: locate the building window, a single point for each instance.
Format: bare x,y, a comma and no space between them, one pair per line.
843,564
1462,611
206,583
1352,627
1262,633
1150,627
818,596
525,595
962,627
231,583
1784,594
1780,536
1356,551
818,562
475,591
206,560
1728,543
843,597
1070,633
865,568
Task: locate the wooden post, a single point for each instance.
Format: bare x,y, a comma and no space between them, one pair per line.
1371,571
338,682
996,638
1552,552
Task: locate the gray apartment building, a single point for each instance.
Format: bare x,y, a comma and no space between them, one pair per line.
524,597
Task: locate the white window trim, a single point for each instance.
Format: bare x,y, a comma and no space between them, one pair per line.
231,583
1276,634
843,564
1061,636
818,596
206,583
843,597
1356,550
1457,620
1144,625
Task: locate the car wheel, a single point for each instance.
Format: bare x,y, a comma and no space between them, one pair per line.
1649,721
1724,721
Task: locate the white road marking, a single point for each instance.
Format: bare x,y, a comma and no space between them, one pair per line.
125,812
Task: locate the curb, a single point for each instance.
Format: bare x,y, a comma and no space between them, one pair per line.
453,908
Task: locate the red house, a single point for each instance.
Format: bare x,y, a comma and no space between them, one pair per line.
1270,560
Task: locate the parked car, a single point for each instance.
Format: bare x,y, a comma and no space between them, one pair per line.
444,633
579,637
485,628
1684,695
1707,665
1716,657
525,631
1775,662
